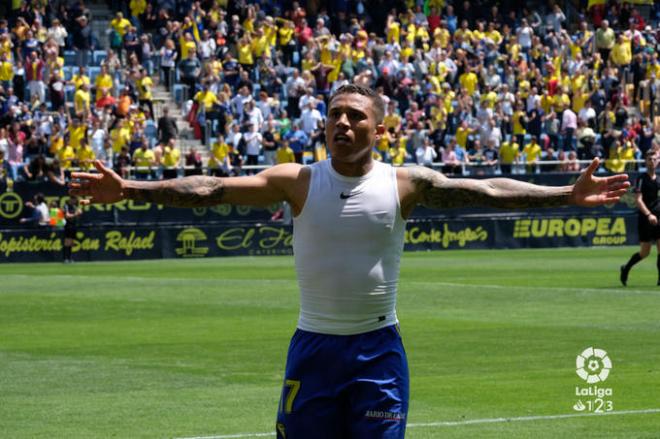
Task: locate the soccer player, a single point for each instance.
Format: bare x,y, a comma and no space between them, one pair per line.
647,187
346,373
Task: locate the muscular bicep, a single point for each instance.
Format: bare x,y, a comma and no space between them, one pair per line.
276,184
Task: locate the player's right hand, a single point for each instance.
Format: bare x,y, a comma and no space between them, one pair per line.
653,219
103,187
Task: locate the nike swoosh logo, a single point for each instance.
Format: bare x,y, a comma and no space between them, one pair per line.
344,196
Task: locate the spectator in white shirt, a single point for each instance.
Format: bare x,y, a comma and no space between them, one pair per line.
58,33
265,104
238,102
310,118
587,114
253,115
207,46
233,139
304,99
40,214
425,154
253,140
525,34
568,127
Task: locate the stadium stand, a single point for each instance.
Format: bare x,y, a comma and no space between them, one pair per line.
470,87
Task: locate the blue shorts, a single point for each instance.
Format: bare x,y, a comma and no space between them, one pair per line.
337,386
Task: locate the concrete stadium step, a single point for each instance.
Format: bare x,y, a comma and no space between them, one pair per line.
101,15
163,98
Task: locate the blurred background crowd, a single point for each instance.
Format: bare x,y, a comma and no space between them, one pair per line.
163,88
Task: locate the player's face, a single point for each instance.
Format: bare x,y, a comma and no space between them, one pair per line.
351,128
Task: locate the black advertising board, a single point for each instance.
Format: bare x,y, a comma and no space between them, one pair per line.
12,208
122,242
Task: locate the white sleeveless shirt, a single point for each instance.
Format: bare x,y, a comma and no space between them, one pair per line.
347,244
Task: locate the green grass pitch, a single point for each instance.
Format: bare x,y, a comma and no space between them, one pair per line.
183,348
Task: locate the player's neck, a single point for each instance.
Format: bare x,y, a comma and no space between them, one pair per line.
353,169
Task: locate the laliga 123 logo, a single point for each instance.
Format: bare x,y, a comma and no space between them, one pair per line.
593,365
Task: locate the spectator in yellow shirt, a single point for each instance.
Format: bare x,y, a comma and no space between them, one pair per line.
285,33
245,55
399,153
119,24
260,44
188,45
519,119
392,118
77,133
103,81
80,78
56,140
532,152
621,53
81,101
393,30
219,159
144,159
469,82
145,95
6,71
171,160
284,153
66,156
137,7
462,134
120,136
614,163
205,98
85,156
509,153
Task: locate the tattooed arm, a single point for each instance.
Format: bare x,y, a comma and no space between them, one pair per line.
195,191
432,189
437,191
279,183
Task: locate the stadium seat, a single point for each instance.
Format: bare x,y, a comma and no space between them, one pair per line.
69,92
68,72
179,91
98,57
69,58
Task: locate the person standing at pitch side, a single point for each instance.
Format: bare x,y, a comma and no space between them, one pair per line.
72,214
647,188
346,373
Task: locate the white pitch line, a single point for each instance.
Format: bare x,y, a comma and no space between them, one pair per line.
466,422
533,418
621,290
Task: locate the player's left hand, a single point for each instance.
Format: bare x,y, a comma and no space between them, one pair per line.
592,191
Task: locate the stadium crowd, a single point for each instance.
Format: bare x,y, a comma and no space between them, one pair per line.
474,87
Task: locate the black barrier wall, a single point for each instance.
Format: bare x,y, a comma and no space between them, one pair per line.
121,243
12,208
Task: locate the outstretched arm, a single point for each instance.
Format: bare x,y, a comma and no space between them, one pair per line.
280,183
434,190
